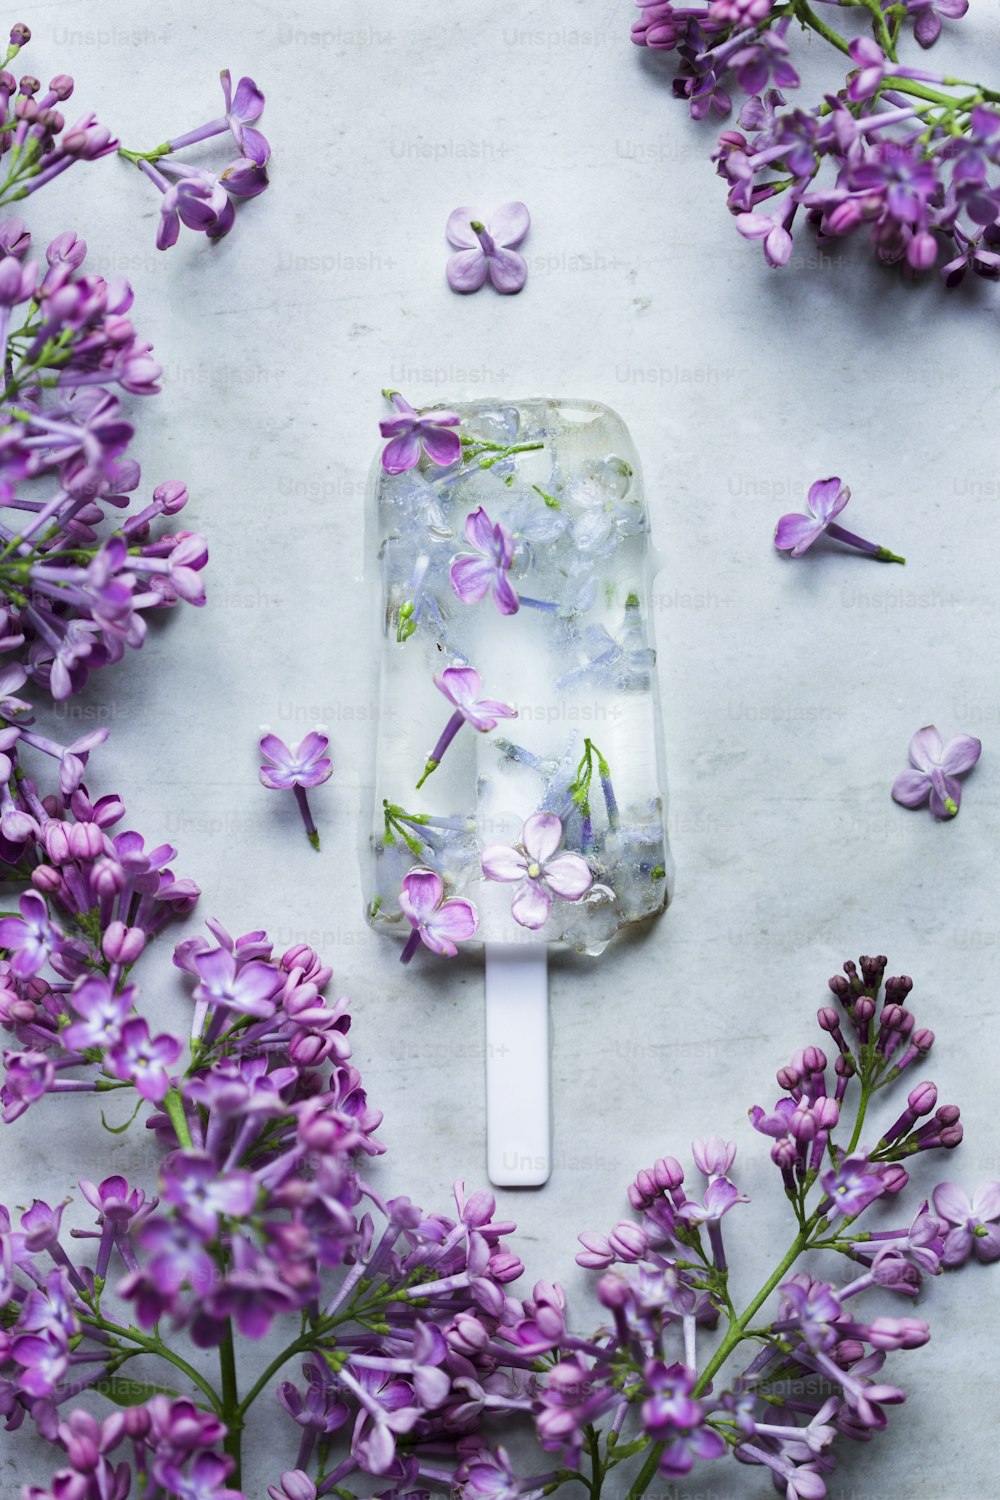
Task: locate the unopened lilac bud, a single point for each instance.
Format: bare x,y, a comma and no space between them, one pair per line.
56,841
898,1333
864,1009
295,1485
613,1292
67,248
948,1114
629,1241
171,496
784,1154
802,1124
16,826
897,1274
923,1098
923,1040
813,1060
713,1156
898,987
306,1049
845,1067
28,85
20,35
668,1172
61,85
894,1177
840,987
86,841
45,879
504,1267
828,1018
596,1254
891,1016
467,1335
137,1421
107,877
847,1352
123,945
826,1112
951,1136
788,1078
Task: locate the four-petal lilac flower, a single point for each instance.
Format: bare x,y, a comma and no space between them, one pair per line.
437,923
827,498
936,767
461,686
474,573
975,1222
487,250
540,871
411,431
297,767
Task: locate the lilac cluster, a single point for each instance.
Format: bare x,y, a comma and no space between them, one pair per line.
200,199
906,154
410,1340
36,145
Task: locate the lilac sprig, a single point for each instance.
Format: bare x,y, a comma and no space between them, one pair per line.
195,197
908,155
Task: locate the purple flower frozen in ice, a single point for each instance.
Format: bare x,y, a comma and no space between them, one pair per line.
461,686
297,767
975,1222
437,923
827,498
487,249
540,871
936,767
473,574
411,431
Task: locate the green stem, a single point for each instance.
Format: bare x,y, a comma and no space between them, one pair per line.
808,17
885,41
174,1106
232,1413
150,1345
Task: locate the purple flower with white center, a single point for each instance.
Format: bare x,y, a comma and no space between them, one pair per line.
138,1058
773,230
437,923
852,1186
224,984
975,1222
487,250
827,498
539,869
674,1417
202,1481
191,1181
297,767
473,574
936,768
414,432
927,16
720,1196
31,937
102,1014
461,686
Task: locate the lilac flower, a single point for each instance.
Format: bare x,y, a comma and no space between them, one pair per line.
298,767
487,250
435,922
143,1060
473,574
191,1181
672,1416
30,937
927,17
975,1222
936,768
246,105
412,432
461,686
874,66
540,871
827,498
852,1186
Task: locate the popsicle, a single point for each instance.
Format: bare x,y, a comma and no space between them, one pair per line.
519,783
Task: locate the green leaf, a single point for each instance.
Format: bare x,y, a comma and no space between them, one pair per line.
125,1392
121,1129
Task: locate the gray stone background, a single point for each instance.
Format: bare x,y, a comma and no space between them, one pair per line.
790,690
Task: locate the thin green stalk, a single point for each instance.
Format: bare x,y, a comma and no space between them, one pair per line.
808,17
150,1345
174,1106
231,1411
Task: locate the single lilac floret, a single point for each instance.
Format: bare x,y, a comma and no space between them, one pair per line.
473,574
539,870
297,767
827,498
936,768
412,432
437,923
487,250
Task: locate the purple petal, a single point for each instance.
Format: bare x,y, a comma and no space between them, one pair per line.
421,893
471,577
255,147
248,101
510,224
479,531
454,922
531,904
957,1245
987,1246
986,1202
568,875
466,270
311,748
542,835
945,789
442,446
927,28
276,750
505,595
460,231
952,1202
487,710
925,748
827,498
960,754
460,685
501,862
795,534
401,454
508,271
911,788
275,779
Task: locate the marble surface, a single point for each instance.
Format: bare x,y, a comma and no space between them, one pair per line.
790,690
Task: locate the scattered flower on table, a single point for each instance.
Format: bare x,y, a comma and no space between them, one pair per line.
474,574
539,870
973,1224
437,923
936,768
487,250
295,768
461,686
827,498
412,433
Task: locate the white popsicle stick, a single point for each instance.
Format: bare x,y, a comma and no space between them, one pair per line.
518,1136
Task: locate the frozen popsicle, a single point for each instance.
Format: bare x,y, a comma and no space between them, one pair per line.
519,788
